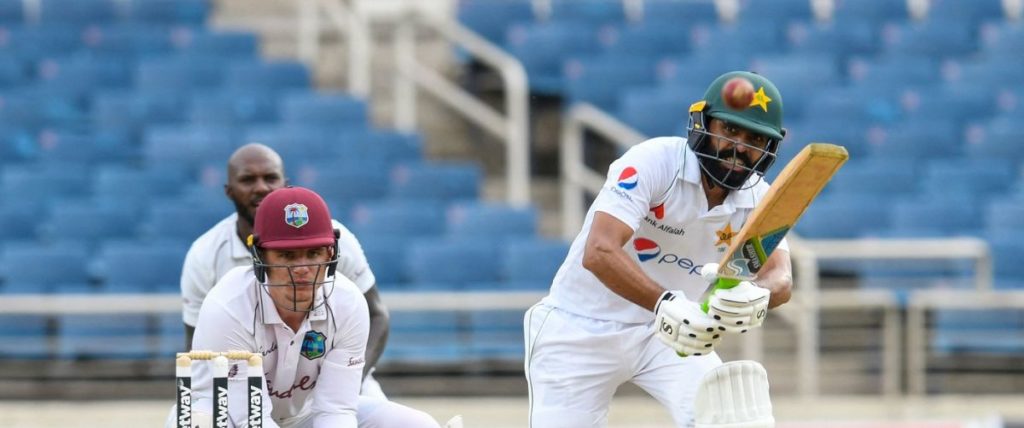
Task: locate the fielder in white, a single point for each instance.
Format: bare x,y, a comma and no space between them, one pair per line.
309,324
624,302
255,170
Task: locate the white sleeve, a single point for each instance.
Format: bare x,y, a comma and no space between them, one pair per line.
197,278
634,181
352,262
336,396
217,330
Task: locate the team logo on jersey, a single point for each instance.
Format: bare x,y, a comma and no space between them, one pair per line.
659,211
646,249
628,178
296,215
314,345
725,235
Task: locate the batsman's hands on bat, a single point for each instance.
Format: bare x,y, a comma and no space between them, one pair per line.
736,309
684,327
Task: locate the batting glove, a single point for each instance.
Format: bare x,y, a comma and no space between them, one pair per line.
737,309
684,327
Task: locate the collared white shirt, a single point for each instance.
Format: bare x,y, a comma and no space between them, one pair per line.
316,370
655,188
220,249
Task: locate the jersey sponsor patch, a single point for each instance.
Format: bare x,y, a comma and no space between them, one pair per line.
314,345
296,215
646,249
628,178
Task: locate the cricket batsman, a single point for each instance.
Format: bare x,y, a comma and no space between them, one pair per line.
624,307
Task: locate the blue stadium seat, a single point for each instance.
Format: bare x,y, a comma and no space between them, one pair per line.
84,148
386,255
935,38
969,11
1002,38
140,266
784,10
543,47
180,74
869,11
128,112
233,108
598,80
88,337
272,76
839,215
453,262
13,72
678,12
175,220
187,146
211,44
436,181
652,40
833,38
745,39
491,18
30,185
37,268
699,68
409,219
373,145
997,138
425,337
877,176
345,182
948,216
11,11
917,139
324,109
496,335
979,177
33,42
799,77
78,12
119,184
593,13
532,261
660,110
87,222
128,40
168,12
490,221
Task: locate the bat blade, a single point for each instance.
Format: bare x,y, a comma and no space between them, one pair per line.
787,199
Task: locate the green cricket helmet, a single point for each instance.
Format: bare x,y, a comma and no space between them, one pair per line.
763,116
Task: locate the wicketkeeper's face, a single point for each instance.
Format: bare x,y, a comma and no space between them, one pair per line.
293,276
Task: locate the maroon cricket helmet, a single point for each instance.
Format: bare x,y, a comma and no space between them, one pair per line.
291,218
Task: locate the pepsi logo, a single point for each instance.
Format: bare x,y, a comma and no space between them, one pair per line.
628,178
646,249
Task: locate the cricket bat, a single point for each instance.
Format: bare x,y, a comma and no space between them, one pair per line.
787,199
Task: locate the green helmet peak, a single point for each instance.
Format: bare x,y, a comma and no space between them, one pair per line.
763,115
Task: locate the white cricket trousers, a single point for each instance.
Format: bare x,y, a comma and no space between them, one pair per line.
574,364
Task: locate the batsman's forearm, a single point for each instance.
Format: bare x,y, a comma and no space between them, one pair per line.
777,277
621,274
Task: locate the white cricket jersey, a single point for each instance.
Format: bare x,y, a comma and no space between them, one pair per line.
655,188
316,370
219,250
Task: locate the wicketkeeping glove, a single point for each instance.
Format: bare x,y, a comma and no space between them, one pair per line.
684,327
736,309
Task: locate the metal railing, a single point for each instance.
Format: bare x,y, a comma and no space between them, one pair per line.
512,127
345,20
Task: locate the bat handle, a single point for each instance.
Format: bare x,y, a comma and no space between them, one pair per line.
720,284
